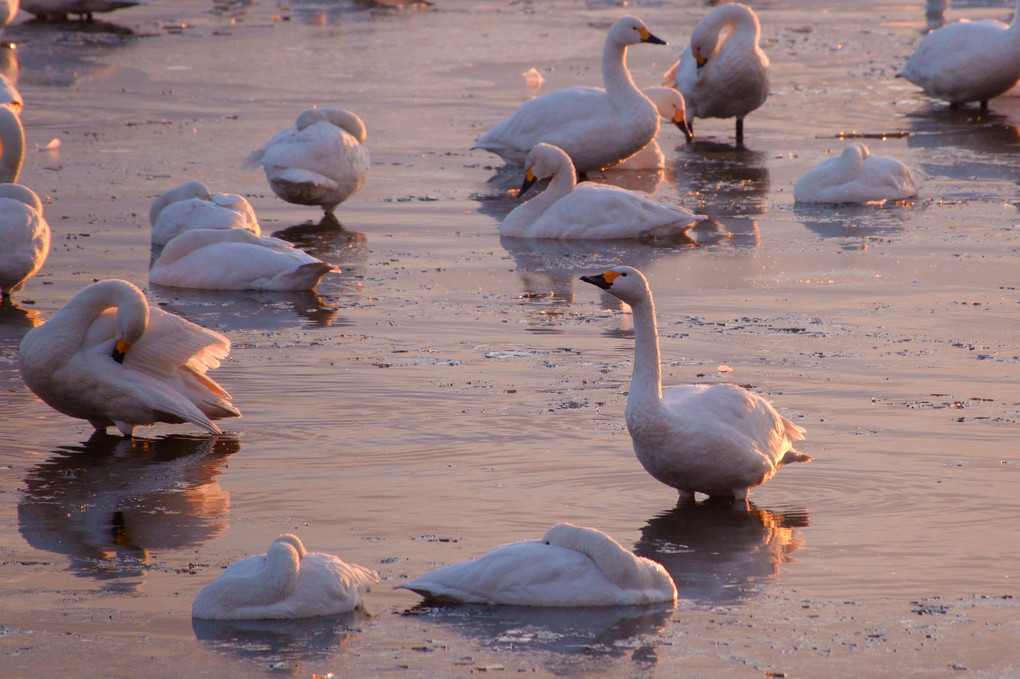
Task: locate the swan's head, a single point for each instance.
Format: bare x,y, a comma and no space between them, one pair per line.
671,105
855,153
630,30
132,314
623,282
544,160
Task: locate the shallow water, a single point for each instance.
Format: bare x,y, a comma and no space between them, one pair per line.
451,391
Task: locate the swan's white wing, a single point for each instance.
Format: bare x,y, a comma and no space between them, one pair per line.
242,266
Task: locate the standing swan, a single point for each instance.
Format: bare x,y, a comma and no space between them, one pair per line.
321,160
587,210
967,61
570,566
194,206
285,582
108,358
856,176
723,73
719,439
24,236
597,128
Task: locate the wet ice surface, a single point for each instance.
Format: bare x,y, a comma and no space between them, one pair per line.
451,391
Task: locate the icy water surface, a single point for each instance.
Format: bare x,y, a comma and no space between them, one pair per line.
451,391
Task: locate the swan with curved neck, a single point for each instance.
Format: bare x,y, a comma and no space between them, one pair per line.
587,210
569,566
717,440
321,160
108,358
285,582
723,73
235,259
967,61
857,176
671,106
596,127
194,206
24,236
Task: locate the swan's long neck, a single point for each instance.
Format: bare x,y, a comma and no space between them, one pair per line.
561,184
12,145
68,326
646,380
616,78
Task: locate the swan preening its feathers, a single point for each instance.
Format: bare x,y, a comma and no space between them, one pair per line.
285,582
967,60
110,358
320,160
24,236
587,210
569,566
717,440
194,206
723,73
856,176
597,128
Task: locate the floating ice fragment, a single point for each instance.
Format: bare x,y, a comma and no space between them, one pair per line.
532,78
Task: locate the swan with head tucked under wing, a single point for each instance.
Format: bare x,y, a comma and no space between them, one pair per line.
587,210
285,582
320,160
967,60
569,566
723,73
596,127
24,236
193,205
856,176
110,358
235,259
720,439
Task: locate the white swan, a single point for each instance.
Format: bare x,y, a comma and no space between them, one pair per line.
235,259
719,439
285,582
194,206
587,210
12,144
856,176
110,358
24,236
58,9
723,73
967,60
597,128
671,106
321,160
569,566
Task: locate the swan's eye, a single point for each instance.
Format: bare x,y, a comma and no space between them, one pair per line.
547,542
623,273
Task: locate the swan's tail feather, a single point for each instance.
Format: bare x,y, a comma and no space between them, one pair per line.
254,160
793,456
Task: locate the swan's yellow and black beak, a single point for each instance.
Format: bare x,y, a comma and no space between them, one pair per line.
120,350
529,181
680,120
646,36
699,57
602,280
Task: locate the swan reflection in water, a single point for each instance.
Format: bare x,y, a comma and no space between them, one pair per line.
227,310
855,223
723,179
719,550
595,632
109,501
281,643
